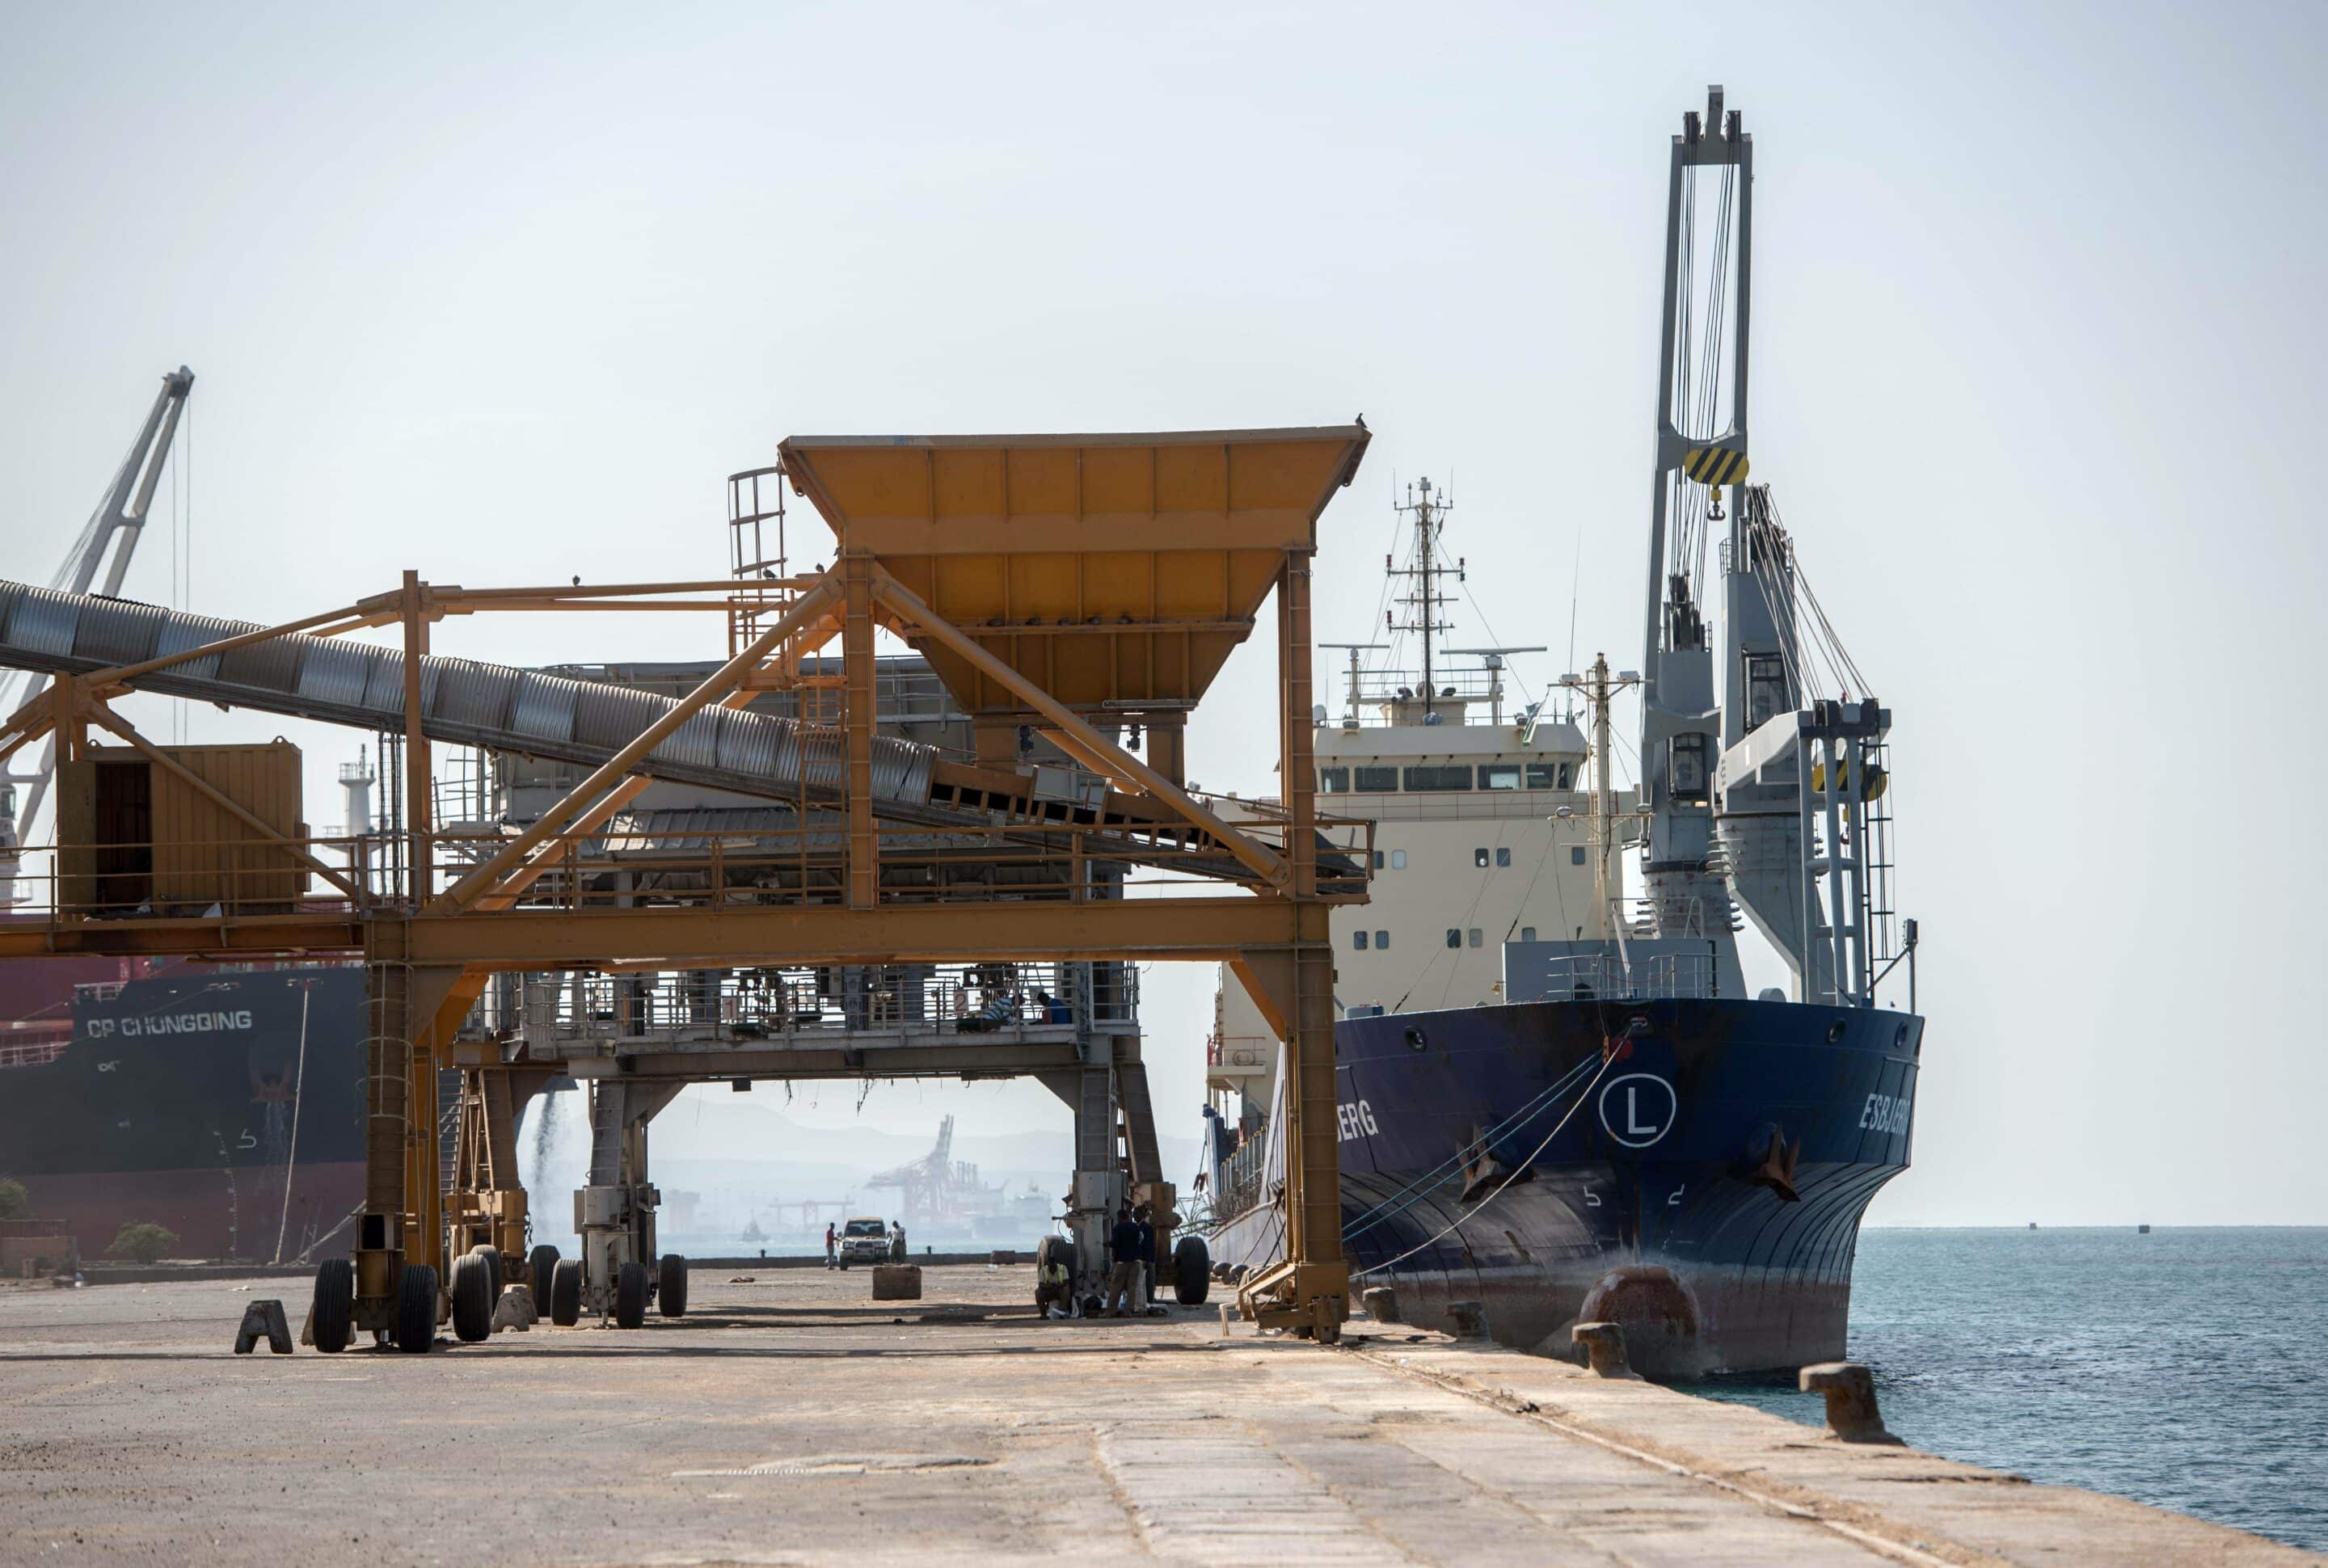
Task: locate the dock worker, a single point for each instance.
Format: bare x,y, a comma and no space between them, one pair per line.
897,1242
1001,1008
830,1242
1124,1254
1146,1281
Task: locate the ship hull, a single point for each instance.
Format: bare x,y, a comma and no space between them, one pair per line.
1705,1187
224,1105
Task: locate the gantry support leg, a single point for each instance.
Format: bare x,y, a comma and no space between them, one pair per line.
616,1214
1308,1291
487,1203
401,1219
1097,1187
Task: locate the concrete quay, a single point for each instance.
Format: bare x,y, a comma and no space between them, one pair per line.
789,1419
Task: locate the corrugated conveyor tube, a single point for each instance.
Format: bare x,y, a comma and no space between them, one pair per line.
462,703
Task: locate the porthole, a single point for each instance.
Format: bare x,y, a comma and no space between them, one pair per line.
1414,1040
1834,1032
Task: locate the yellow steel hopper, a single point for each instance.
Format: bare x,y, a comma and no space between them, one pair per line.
1116,572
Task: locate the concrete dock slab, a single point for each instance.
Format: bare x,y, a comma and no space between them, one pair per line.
790,1418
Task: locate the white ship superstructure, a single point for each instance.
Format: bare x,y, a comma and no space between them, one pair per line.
1483,830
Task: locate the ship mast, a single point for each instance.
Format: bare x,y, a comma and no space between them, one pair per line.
1598,689
1429,515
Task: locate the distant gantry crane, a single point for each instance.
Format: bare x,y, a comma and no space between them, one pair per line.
116,525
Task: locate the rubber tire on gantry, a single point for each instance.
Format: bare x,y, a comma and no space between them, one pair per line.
492,1255
415,1309
565,1292
670,1286
540,1263
631,1296
1192,1271
473,1299
335,1316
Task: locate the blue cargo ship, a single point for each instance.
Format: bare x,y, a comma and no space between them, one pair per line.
1559,1099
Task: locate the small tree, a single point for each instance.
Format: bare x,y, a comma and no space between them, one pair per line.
14,1202
143,1243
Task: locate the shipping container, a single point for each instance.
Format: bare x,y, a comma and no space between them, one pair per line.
133,836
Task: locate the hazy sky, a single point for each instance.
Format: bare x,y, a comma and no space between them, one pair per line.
504,295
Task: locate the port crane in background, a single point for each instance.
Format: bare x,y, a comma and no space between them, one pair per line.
116,526
927,1185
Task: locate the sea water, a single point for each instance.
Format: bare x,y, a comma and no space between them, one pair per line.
2187,1368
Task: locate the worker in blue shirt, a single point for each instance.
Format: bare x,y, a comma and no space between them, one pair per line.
1146,1283
1124,1276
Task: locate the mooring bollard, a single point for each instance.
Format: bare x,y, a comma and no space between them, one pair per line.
1381,1302
1850,1389
515,1311
1604,1348
1469,1320
263,1319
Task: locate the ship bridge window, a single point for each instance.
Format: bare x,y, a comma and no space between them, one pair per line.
1685,769
1471,937
1576,854
1334,781
1382,940
1454,936
1398,859
1547,775
1479,857
1443,777
1527,934
1358,939
1503,858
1375,781
1500,776
1766,688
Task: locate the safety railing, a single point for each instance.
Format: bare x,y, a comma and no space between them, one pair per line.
1613,977
783,856
991,1000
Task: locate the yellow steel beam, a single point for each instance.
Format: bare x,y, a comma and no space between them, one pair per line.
303,936
420,778
856,571
1099,751
719,685
487,598
1198,929
26,727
